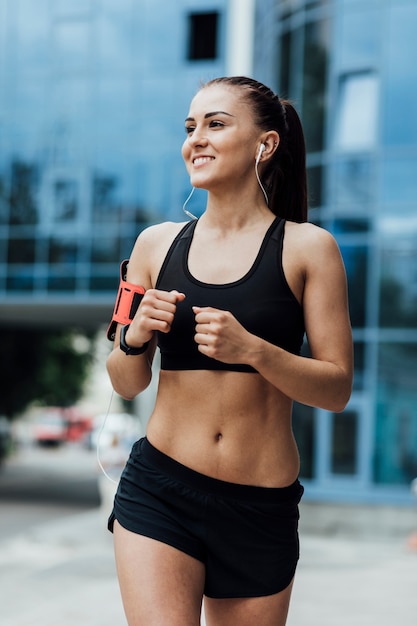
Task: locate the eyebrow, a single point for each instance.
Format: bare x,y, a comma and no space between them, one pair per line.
207,115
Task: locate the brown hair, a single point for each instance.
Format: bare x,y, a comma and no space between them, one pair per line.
285,175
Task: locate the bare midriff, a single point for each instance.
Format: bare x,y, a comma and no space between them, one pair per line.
228,425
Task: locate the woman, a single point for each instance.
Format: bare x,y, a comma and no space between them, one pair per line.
208,503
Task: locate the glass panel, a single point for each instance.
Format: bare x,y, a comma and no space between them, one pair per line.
106,249
357,111
72,7
398,292
314,83
400,87
4,201
354,225
105,282
304,426
202,36
344,443
315,185
353,183
284,82
21,279
62,252
395,460
61,281
65,201
359,365
399,181
359,40
21,251
356,260
32,26
24,186
73,39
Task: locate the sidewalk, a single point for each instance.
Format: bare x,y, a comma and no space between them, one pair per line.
62,574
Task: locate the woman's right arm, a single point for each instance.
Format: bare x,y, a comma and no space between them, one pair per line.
131,374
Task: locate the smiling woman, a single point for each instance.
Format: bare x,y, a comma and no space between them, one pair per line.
208,501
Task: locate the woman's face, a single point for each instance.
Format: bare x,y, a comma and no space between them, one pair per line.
222,139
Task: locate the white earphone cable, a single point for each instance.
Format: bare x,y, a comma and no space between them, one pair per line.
98,441
193,217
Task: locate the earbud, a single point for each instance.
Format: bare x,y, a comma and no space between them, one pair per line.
262,147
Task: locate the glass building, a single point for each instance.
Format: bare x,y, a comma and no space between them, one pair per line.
93,94
349,67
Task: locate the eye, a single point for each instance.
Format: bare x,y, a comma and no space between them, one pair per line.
216,124
189,129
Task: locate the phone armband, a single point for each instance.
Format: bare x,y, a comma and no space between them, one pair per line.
127,302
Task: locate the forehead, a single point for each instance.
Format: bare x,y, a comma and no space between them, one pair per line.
219,98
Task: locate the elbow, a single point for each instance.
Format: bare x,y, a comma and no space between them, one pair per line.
339,400
126,391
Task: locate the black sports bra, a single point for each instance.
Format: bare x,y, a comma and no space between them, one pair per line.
261,301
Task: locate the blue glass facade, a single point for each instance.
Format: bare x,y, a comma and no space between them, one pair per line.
349,67
92,98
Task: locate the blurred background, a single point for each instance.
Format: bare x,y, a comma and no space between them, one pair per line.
93,94
93,97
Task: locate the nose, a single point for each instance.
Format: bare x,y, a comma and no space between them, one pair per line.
197,137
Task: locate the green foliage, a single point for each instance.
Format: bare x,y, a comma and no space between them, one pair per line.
49,367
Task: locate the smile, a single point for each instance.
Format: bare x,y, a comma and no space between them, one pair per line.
201,160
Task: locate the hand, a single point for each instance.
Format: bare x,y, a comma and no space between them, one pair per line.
155,313
219,335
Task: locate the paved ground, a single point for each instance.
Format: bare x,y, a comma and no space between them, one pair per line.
62,574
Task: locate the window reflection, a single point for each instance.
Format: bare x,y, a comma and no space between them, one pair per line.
315,185
23,190
21,251
20,279
62,251
304,426
396,424
314,83
344,442
356,259
65,200
400,86
399,181
398,287
106,249
353,183
359,365
359,43
357,111
348,225
72,39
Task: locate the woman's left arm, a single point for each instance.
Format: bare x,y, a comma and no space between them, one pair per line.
325,379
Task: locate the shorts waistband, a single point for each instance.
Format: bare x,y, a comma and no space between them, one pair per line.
200,482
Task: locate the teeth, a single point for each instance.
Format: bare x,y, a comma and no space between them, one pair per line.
200,160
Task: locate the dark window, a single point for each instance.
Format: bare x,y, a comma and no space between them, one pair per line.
202,41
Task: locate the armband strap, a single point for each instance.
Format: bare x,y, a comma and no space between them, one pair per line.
127,302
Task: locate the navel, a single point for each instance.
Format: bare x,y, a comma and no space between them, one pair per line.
218,437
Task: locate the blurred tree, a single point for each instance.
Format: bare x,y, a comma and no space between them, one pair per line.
47,366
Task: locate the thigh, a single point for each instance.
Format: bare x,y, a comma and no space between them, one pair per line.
262,611
159,584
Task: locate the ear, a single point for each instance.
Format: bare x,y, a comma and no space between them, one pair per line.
271,142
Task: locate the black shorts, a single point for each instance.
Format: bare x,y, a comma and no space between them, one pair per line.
246,536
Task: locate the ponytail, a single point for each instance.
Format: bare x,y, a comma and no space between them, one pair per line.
285,175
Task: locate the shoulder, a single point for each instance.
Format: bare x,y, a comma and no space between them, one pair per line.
150,250
158,233
310,242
